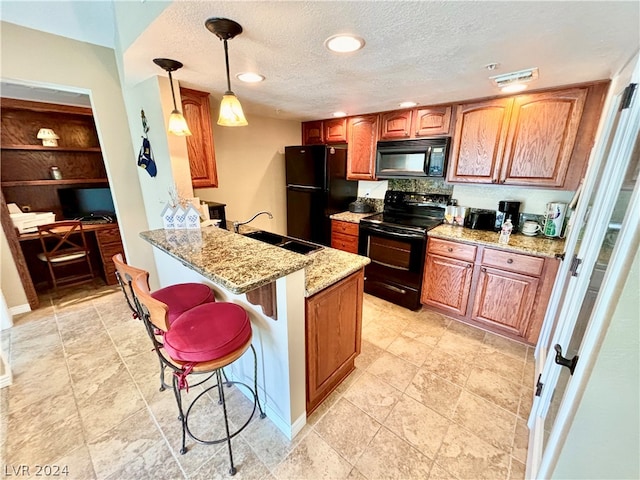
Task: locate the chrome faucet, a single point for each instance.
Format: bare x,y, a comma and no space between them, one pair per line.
236,225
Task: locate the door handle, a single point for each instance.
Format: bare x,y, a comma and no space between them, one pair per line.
565,362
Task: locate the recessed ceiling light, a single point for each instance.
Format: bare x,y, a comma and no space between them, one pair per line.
339,114
407,104
344,43
250,77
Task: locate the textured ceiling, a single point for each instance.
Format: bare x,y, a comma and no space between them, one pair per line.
429,52
426,51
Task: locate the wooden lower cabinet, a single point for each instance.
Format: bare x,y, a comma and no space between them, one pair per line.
499,290
447,283
344,236
504,300
333,336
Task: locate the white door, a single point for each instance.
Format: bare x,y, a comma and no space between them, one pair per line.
573,323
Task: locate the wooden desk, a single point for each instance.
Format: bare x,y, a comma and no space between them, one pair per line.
104,236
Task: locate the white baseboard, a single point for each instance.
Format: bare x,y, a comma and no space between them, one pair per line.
6,379
17,310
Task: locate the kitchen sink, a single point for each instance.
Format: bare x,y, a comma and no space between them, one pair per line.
291,244
299,247
266,237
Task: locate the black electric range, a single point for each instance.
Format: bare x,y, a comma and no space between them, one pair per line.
395,241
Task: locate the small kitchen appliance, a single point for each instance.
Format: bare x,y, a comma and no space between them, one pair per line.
554,219
480,219
506,209
425,157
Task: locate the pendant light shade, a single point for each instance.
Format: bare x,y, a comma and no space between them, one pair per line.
177,123
231,114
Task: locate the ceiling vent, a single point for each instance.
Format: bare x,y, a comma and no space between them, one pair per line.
521,76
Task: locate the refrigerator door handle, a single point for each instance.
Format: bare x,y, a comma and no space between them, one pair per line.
310,188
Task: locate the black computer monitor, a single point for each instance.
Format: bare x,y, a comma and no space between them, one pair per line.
78,203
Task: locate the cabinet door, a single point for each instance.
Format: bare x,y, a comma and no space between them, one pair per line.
504,300
362,139
333,324
395,125
447,283
431,121
542,132
312,133
478,143
202,156
335,131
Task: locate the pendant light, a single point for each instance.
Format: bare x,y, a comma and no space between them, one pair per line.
177,123
231,114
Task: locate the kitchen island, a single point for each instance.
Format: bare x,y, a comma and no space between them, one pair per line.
283,283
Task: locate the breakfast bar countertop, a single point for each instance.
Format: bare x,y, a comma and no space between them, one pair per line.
241,264
538,245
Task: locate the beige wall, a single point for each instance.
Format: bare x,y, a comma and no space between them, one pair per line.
9,279
251,174
37,58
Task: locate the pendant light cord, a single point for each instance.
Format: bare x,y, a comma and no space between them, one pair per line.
226,59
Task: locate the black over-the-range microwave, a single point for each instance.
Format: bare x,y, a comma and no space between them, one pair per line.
426,157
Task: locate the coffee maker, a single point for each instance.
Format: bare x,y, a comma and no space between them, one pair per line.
508,209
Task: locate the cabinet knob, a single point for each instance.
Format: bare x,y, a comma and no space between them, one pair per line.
484,270
510,260
493,180
469,265
449,249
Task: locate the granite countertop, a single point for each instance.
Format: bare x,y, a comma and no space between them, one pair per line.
350,216
241,264
539,246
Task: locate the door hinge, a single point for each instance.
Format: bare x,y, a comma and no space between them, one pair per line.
575,263
539,386
627,96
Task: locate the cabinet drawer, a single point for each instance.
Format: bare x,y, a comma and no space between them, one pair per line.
348,228
108,235
347,243
461,251
513,262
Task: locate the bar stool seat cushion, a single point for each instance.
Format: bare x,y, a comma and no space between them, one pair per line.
182,297
208,332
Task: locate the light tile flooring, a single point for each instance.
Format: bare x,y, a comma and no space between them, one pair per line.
431,398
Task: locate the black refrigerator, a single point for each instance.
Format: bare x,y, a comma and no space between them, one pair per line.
316,188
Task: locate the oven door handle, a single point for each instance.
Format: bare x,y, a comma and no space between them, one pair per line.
382,231
389,265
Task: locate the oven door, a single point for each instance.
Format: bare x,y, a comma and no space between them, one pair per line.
397,262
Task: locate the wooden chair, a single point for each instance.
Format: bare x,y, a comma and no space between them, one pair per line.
64,244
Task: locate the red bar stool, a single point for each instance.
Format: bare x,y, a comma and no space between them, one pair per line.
178,298
203,340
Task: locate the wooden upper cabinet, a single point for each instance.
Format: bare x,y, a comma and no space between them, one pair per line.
313,133
522,140
362,136
431,121
202,157
335,130
478,142
542,132
396,124
324,131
